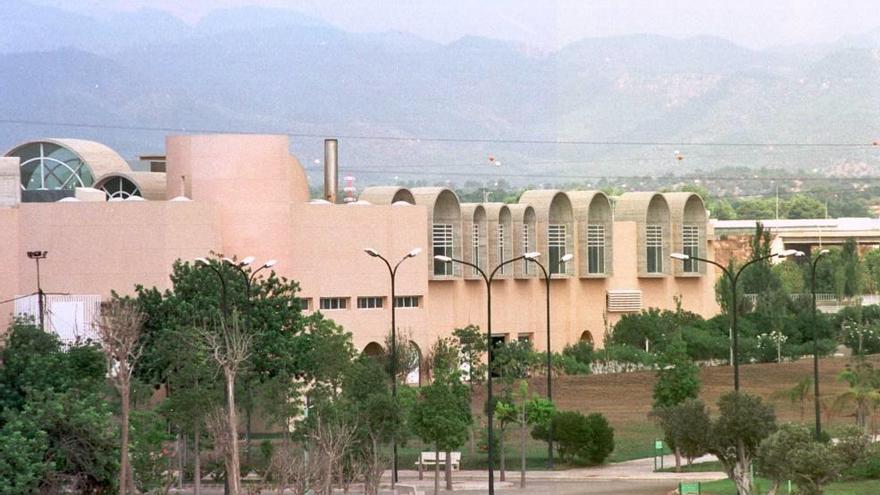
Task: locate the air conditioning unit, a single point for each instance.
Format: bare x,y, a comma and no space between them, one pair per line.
623,300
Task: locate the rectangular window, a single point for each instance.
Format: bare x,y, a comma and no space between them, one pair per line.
654,248
305,303
526,248
690,243
332,303
442,242
556,243
408,301
501,259
595,248
374,302
476,247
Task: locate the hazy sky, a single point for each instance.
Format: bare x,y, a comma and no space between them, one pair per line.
551,23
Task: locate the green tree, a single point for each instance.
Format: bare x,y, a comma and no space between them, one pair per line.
862,392
851,269
530,410
678,378
721,209
367,397
514,361
685,428
472,346
744,421
791,277
23,461
871,263
579,438
755,209
802,206
55,415
792,453
441,417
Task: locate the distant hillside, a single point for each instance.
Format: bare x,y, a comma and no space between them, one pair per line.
272,70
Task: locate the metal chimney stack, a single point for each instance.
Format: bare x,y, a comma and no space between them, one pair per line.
331,169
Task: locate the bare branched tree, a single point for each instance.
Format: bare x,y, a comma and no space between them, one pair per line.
119,329
230,347
331,440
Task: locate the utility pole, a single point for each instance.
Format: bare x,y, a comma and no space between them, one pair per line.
37,256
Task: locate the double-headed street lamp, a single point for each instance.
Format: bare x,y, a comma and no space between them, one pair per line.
733,278
813,264
491,406
393,273
533,257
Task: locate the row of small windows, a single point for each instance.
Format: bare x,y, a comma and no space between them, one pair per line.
364,302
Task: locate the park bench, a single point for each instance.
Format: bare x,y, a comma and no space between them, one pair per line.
431,458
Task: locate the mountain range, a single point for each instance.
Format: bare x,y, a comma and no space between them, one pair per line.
414,109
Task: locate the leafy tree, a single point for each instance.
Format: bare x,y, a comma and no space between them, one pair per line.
472,346
579,438
407,356
55,417
744,421
851,276
149,458
514,361
652,328
871,264
721,209
23,462
862,390
791,277
755,209
792,453
803,206
530,410
367,397
678,378
441,417
685,428
798,394
581,351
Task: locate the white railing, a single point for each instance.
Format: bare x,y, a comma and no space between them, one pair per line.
826,302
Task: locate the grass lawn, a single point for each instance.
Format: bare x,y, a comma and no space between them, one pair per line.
862,487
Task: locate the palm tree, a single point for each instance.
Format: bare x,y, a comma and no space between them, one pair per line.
862,392
799,393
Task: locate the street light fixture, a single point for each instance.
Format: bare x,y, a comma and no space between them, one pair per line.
392,271
733,278
41,304
813,264
533,257
489,402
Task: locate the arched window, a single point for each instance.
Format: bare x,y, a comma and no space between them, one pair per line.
118,187
50,167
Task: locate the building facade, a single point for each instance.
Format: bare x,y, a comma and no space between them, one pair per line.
106,227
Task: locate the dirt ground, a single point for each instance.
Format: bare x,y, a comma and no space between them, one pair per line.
625,398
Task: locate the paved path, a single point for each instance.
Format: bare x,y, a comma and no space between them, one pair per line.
635,477
639,469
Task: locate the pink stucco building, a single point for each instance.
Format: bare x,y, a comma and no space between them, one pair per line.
107,228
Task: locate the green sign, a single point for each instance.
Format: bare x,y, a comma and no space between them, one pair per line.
658,444
691,488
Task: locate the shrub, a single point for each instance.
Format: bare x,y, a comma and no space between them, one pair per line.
628,354
582,352
579,438
568,365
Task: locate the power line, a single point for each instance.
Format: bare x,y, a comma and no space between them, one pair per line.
436,139
707,178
